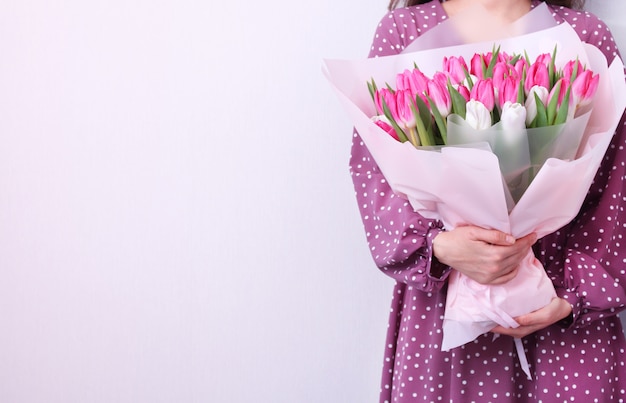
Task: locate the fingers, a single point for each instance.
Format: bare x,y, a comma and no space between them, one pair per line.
486,256
493,237
556,310
504,278
504,261
508,258
528,240
517,332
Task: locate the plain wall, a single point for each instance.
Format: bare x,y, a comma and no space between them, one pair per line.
177,222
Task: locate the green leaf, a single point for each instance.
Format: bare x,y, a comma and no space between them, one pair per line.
468,78
421,130
492,63
553,103
441,123
401,135
424,111
542,114
424,128
574,72
371,86
561,115
458,102
520,93
495,116
552,68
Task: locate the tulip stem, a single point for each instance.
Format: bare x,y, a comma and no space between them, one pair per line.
413,136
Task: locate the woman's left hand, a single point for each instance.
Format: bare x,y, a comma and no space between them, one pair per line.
556,310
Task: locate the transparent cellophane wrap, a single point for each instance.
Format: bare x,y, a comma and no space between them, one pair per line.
486,180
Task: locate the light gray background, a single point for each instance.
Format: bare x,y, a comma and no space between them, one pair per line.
177,221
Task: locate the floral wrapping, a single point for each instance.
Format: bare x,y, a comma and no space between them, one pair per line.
434,182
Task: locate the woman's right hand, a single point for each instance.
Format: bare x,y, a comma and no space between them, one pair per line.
485,256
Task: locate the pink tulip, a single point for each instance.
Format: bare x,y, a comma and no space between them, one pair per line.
508,91
520,66
383,124
568,69
404,113
413,80
501,57
477,64
544,58
480,61
501,71
441,78
483,92
455,68
465,93
504,57
537,74
389,98
439,94
584,87
559,90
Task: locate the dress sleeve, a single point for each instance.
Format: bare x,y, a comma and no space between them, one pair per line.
395,31
399,238
587,258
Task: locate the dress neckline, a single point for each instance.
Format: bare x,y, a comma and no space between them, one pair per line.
438,5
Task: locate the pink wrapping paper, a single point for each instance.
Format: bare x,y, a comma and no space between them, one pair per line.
464,185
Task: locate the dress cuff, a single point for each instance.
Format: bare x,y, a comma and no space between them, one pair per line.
572,298
437,271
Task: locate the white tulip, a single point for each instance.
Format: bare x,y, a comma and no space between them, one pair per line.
513,116
531,103
477,115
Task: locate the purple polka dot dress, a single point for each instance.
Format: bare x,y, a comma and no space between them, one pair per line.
580,361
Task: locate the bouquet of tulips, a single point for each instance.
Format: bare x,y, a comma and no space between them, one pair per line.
519,105
465,140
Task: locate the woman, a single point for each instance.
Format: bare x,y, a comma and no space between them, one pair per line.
575,345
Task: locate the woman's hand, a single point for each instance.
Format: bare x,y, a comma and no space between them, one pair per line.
556,310
485,256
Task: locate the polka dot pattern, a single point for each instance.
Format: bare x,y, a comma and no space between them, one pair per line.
581,361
